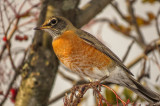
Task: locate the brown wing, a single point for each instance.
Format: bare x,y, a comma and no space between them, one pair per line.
90,39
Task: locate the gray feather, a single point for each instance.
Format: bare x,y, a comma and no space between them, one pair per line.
90,39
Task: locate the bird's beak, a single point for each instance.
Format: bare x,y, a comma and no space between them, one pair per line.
37,28
41,27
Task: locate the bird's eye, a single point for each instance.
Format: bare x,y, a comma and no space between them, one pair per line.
53,21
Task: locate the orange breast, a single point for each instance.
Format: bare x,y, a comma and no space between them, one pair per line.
79,56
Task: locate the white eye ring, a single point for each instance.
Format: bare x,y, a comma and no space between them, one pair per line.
53,21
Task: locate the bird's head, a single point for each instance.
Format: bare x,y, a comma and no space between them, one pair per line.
56,25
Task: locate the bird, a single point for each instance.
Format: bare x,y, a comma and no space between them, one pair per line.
85,55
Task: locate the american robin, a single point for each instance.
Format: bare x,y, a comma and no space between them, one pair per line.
83,54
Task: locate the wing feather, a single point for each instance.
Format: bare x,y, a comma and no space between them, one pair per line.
90,39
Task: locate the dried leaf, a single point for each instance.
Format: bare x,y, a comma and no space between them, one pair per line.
121,28
125,30
111,97
157,88
151,16
128,94
142,22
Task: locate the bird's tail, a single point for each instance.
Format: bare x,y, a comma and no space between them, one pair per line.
122,78
142,91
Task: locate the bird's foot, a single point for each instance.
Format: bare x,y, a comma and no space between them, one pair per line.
96,86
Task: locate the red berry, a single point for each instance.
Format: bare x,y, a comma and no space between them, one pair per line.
25,37
13,94
128,101
5,38
17,37
1,92
20,39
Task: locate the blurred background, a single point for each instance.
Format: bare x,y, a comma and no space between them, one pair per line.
130,28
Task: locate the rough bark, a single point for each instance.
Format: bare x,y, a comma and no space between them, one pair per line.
39,71
38,76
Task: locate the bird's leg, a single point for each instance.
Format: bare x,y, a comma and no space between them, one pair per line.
103,78
97,84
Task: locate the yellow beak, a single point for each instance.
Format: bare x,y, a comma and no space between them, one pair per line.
42,27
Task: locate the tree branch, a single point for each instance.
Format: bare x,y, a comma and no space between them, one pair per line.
127,52
8,89
115,6
41,64
134,22
150,47
90,10
59,96
157,25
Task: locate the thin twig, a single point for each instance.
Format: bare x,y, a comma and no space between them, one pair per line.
8,89
2,21
80,82
22,5
127,34
155,61
58,97
124,104
12,8
82,90
10,35
142,74
127,52
101,96
14,28
29,21
6,12
134,21
66,77
9,26
150,47
10,57
157,25
23,59
135,60
115,6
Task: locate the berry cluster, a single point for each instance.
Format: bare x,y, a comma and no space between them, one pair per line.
21,38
